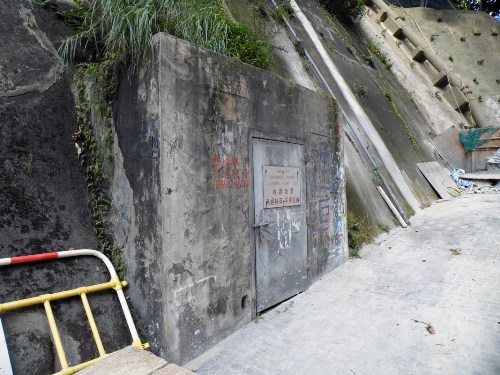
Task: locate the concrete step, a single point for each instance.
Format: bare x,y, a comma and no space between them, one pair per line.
131,360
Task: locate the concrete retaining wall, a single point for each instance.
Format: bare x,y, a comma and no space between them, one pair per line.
183,122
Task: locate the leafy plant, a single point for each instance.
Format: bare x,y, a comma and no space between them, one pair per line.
480,62
95,85
450,58
440,19
462,38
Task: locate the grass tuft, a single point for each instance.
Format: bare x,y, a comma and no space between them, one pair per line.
123,30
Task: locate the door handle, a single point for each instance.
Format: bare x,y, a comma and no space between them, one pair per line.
261,224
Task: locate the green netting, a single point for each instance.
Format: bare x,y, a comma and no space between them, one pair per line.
472,138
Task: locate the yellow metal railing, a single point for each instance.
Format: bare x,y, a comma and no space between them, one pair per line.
45,299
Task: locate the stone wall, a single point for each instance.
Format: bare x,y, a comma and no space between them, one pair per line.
43,198
183,193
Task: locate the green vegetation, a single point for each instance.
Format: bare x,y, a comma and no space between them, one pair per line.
359,89
111,34
344,8
376,51
462,39
284,9
95,85
357,233
450,58
492,7
28,164
480,62
48,3
122,31
440,19
384,227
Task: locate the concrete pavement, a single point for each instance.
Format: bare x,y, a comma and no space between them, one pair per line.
375,315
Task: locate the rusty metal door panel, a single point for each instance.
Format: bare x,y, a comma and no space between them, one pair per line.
280,221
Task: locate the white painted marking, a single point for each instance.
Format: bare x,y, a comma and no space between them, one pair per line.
195,283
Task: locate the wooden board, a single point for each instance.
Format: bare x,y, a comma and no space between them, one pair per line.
481,176
438,177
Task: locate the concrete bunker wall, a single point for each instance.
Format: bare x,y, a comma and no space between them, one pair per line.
183,189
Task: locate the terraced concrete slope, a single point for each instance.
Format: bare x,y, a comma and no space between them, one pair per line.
404,111
390,136
467,42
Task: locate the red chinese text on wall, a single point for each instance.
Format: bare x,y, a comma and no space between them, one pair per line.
229,171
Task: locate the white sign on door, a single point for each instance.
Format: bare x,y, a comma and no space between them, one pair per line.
281,186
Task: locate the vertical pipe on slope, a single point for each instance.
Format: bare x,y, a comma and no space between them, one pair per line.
348,121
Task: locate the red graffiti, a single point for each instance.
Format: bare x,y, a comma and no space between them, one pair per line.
229,171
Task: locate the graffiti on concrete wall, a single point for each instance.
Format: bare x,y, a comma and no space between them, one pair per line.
229,171
320,204
327,197
339,195
149,132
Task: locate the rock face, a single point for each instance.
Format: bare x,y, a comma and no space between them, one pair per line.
43,200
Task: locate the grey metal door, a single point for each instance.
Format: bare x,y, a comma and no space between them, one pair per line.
280,221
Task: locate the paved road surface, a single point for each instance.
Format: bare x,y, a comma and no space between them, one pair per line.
360,318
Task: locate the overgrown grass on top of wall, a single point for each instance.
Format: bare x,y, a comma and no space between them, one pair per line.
122,30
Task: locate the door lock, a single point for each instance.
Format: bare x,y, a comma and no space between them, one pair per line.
263,224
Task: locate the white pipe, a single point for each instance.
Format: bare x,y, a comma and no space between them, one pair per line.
391,206
92,253
359,113
5,366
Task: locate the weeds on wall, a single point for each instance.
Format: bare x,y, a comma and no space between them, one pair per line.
357,234
345,9
95,85
110,34
386,62
282,10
